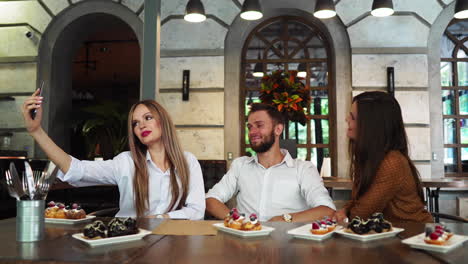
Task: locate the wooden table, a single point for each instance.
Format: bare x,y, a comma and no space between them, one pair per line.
432,188
59,247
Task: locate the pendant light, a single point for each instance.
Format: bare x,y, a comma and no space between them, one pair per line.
324,9
194,11
461,9
382,8
251,10
302,70
258,68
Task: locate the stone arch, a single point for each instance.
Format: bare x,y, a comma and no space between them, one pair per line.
341,64
63,36
435,102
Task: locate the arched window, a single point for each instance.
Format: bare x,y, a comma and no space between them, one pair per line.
291,43
454,85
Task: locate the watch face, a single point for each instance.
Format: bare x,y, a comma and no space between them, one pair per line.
287,217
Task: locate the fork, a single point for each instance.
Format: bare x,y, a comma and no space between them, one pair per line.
11,189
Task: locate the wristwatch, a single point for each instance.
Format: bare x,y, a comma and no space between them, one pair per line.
287,218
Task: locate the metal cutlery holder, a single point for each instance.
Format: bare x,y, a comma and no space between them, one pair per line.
29,220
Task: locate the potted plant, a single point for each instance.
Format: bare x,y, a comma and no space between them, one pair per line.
285,91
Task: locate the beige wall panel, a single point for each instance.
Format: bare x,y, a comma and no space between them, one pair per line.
11,113
15,44
22,141
204,143
201,109
133,4
180,34
56,6
424,170
392,31
350,10
370,70
414,106
419,143
427,9
17,77
205,72
24,12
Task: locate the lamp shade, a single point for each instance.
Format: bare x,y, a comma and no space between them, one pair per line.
302,70
194,11
382,8
251,10
258,70
461,9
324,9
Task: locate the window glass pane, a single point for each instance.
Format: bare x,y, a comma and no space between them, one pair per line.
316,49
250,80
450,159
462,68
459,29
446,47
319,74
301,132
464,131
448,102
318,155
301,153
464,159
319,102
256,47
446,74
319,131
463,102
450,136
274,67
249,152
461,54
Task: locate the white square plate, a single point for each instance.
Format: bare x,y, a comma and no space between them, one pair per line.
265,231
418,242
69,221
370,237
304,232
112,240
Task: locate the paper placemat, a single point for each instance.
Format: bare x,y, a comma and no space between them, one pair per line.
186,228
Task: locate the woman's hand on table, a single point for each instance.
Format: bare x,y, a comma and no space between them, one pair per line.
341,217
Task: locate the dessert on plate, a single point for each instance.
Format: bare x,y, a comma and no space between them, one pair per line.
115,227
238,221
438,235
321,227
375,224
59,210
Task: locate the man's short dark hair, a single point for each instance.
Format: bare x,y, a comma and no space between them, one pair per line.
274,114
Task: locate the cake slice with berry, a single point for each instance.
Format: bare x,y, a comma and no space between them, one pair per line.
252,223
321,227
439,235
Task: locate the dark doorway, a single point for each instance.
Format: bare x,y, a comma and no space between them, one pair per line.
106,82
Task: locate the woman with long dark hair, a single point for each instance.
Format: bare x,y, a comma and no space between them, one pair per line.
384,177
155,178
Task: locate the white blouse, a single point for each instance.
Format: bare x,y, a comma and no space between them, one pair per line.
120,171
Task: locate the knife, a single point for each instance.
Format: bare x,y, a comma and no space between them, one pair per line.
16,180
30,179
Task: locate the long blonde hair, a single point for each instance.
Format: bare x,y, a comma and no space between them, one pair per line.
174,155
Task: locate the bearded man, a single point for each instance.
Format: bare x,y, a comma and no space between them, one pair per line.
271,184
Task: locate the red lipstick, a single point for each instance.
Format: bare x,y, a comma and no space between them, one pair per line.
145,133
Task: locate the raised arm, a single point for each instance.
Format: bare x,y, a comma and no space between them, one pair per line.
54,152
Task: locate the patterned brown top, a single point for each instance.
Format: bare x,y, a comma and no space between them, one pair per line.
393,193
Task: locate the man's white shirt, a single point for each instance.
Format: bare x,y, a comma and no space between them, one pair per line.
288,187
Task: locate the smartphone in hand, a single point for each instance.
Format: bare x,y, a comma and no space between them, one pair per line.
33,112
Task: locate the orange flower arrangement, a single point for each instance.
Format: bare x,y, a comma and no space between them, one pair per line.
285,91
